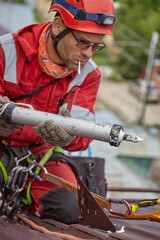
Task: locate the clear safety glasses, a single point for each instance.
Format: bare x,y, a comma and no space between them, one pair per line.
84,44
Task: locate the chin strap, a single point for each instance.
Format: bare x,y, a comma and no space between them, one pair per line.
55,39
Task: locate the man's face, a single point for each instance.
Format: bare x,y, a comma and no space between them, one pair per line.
78,46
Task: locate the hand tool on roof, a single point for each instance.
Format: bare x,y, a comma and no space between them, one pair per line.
114,135
130,213
155,216
90,211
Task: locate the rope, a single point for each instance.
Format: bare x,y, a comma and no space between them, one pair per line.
44,230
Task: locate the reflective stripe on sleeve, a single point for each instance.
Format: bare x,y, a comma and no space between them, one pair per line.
9,48
81,113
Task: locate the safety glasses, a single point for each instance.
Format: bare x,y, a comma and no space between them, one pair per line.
84,44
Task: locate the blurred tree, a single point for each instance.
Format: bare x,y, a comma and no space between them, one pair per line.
135,23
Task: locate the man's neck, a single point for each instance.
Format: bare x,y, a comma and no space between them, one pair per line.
52,52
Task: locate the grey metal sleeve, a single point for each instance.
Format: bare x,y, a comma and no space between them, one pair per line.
8,112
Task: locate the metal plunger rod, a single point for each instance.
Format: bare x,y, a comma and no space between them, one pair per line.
106,133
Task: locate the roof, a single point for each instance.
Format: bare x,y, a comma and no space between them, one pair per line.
125,229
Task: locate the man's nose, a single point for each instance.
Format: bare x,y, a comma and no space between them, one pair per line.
87,52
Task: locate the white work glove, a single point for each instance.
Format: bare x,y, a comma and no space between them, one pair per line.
53,134
6,128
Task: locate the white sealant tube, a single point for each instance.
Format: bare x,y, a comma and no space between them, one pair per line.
98,131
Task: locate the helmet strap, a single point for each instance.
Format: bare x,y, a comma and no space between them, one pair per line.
55,39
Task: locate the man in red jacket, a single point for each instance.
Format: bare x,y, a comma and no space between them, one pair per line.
57,58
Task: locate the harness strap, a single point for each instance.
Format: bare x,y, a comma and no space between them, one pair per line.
55,39
5,175
43,161
6,150
30,94
54,154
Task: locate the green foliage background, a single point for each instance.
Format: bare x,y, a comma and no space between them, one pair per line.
135,21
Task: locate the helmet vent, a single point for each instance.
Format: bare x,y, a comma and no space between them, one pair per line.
78,1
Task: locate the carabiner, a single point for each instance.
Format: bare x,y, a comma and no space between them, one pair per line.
120,201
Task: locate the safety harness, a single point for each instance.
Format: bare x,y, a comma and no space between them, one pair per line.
13,199
17,175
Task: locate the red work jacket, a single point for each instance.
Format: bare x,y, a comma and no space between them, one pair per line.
21,73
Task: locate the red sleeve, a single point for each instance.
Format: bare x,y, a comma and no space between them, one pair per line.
85,97
2,66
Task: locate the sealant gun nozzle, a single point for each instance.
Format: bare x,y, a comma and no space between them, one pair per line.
130,138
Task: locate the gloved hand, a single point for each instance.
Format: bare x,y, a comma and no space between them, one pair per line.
53,134
6,128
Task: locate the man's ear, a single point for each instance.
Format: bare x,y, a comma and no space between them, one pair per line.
58,25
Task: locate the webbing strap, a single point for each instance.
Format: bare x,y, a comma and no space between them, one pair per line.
42,163
73,9
5,175
35,91
4,148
